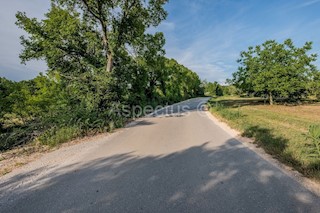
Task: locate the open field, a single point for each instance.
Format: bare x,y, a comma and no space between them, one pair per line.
281,130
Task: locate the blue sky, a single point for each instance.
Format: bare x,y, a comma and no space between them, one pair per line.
204,35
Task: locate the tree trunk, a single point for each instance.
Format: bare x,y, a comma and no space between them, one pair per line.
109,56
109,62
270,98
164,89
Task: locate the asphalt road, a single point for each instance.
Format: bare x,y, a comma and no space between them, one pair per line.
175,160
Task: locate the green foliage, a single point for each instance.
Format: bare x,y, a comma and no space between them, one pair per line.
181,82
314,85
225,111
213,89
230,90
314,136
119,22
276,70
56,136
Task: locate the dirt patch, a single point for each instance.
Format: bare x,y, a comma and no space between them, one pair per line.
310,112
17,157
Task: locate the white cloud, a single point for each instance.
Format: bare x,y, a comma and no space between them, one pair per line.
212,53
308,3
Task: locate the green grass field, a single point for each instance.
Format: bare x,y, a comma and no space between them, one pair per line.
281,130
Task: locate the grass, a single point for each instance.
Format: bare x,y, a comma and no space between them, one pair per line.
56,136
290,133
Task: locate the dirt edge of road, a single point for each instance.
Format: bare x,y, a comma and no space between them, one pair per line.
310,184
21,156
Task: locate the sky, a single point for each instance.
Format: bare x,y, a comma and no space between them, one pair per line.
206,36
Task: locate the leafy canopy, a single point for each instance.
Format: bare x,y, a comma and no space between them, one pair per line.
276,69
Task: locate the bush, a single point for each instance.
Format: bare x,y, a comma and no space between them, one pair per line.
314,146
56,135
225,111
16,137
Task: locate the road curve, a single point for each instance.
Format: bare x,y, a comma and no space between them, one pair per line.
175,160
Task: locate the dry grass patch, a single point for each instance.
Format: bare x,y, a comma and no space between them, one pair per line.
281,130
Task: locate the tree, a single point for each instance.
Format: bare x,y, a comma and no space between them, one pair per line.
150,56
276,70
229,90
314,86
218,90
119,22
82,39
73,50
213,89
68,44
7,87
181,83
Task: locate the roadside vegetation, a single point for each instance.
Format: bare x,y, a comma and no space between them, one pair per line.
101,64
290,133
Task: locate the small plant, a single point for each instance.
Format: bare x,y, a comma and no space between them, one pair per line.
58,135
219,106
314,136
225,111
231,115
239,112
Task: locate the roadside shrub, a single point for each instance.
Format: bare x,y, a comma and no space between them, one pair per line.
225,111
58,135
19,135
314,136
16,137
231,115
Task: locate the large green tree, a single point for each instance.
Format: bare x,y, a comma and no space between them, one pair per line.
278,70
82,39
182,83
118,22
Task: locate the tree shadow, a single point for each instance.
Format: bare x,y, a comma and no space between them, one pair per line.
265,138
274,145
228,178
301,102
260,101
240,102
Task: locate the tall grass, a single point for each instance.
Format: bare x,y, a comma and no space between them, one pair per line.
314,146
55,130
55,135
225,112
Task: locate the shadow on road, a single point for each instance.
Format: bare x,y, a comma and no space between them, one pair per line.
198,179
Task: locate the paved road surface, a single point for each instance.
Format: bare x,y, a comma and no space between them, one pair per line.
172,161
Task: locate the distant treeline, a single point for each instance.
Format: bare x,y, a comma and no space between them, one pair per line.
216,90
100,61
